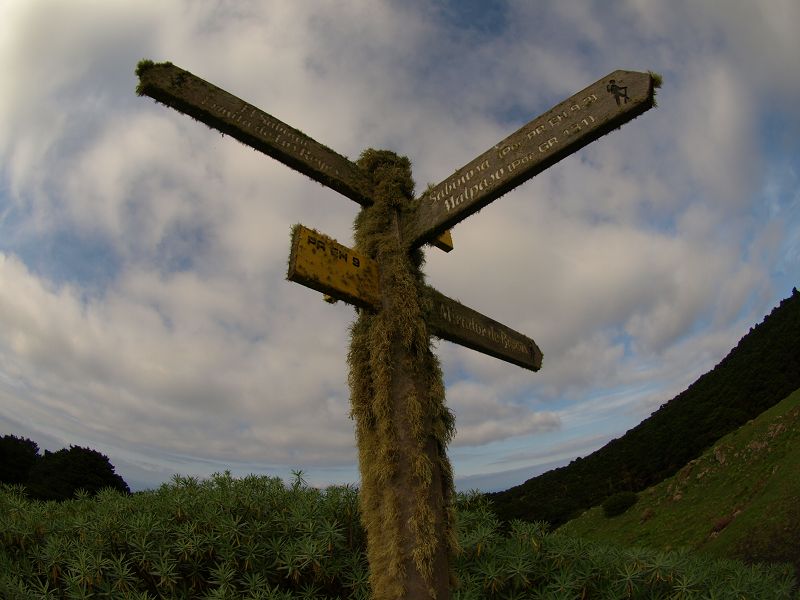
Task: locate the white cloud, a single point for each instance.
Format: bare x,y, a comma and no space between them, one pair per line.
483,416
162,362
634,265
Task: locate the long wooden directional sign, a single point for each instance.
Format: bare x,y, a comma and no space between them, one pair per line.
217,108
321,263
603,106
223,111
454,322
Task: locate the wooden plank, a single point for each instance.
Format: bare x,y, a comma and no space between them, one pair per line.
321,263
591,113
452,321
223,111
191,95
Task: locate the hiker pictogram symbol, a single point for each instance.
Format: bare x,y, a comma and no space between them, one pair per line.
619,91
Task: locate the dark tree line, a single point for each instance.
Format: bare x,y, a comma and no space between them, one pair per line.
56,475
761,371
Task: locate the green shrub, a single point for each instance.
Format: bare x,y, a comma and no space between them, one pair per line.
619,503
260,539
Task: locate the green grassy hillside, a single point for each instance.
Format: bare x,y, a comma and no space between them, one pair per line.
758,373
738,499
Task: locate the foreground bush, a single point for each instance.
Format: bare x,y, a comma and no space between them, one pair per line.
258,538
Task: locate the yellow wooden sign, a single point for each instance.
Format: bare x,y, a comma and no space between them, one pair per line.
444,241
323,264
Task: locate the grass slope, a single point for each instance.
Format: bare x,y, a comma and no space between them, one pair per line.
738,499
759,372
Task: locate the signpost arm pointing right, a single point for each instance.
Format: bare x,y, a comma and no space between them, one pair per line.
566,128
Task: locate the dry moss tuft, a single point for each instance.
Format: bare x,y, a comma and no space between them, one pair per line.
397,397
656,80
142,67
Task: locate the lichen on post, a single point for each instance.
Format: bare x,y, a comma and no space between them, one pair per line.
397,396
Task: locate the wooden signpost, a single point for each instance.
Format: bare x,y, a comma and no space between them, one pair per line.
396,385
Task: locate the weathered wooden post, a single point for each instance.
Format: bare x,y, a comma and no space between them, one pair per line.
397,396
397,391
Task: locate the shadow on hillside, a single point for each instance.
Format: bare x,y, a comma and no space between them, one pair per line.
779,543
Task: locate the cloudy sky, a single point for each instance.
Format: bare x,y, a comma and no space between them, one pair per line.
144,310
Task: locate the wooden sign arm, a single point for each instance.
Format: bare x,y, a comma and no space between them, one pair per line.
323,264
450,320
220,110
193,96
566,128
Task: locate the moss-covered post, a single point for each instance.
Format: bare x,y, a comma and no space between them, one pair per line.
397,395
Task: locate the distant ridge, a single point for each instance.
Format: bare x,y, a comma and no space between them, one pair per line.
759,372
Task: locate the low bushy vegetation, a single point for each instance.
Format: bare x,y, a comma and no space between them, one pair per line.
259,538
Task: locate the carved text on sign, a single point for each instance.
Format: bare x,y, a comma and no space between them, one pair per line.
452,321
493,170
266,125
337,251
323,264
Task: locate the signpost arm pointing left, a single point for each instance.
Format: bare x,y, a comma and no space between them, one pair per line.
187,93
191,95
